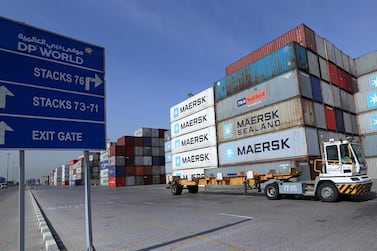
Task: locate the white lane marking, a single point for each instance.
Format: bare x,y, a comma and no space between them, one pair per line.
235,215
149,203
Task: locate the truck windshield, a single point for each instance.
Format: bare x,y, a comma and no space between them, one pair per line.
357,151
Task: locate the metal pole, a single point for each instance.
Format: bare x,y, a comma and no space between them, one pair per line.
21,231
7,166
88,213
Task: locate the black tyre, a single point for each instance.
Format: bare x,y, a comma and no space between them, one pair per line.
272,191
193,189
176,189
327,192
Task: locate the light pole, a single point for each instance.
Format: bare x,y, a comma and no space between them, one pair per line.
7,165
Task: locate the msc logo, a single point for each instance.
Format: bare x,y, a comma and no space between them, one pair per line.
229,153
228,131
373,82
175,112
372,99
373,122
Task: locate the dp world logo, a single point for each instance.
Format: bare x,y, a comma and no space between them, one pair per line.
373,122
373,82
229,152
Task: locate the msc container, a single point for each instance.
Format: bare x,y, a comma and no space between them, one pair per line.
301,34
199,139
367,82
330,118
313,64
196,103
369,144
316,89
284,144
320,118
278,89
324,69
372,167
200,158
366,63
327,94
200,120
291,113
366,101
367,122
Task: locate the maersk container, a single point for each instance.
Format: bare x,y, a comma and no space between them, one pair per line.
372,167
168,158
301,34
327,95
199,120
196,103
316,89
195,140
330,118
367,82
168,167
324,69
320,118
278,89
200,158
367,122
366,101
366,63
369,144
313,64
284,144
291,113
283,60
320,46
187,173
167,146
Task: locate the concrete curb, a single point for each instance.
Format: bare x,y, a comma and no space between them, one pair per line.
50,243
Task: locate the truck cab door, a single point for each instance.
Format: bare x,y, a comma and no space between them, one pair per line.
333,164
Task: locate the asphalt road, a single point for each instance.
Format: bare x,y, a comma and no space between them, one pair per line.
151,218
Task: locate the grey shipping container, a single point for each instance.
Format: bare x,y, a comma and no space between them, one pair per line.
324,69
320,46
327,94
319,115
369,144
366,64
367,82
367,122
313,64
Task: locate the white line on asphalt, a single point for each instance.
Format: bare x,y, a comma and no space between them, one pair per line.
149,203
238,216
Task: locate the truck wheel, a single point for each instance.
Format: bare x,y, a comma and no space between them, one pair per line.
272,191
176,189
327,192
193,189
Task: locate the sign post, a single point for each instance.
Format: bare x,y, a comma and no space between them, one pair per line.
52,96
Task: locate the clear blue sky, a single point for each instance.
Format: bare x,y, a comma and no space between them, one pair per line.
158,51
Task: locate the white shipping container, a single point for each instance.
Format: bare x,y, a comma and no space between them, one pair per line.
201,158
196,121
272,118
104,181
367,82
167,146
366,101
367,122
104,155
199,139
372,167
104,173
192,105
277,145
183,173
143,132
168,157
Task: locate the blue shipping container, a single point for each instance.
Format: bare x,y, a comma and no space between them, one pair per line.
115,171
283,60
316,89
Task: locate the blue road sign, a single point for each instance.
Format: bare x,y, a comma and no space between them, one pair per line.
52,90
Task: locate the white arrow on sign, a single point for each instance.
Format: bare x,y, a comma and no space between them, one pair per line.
4,92
4,127
97,82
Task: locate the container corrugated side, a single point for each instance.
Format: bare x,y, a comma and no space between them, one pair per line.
301,34
367,82
200,158
199,120
327,94
346,62
199,139
291,113
369,145
366,63
347,122
324,69
316,89
187,173
372,167
320,46
197,102
336,95
287,58
275,90
338,57
313,64
367,122
320,119
330,50
330,118
348,101
285,144
366,101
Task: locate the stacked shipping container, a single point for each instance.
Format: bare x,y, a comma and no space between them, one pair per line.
193,134
168,159
366,107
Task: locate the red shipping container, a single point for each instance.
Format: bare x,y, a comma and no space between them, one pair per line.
130,160
138,141
330,118
349,85
73,161
130,171
300,34
116,181
117,150
148,180
126,141
342,79
162,179
129,151
139,170
147,170
333,73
